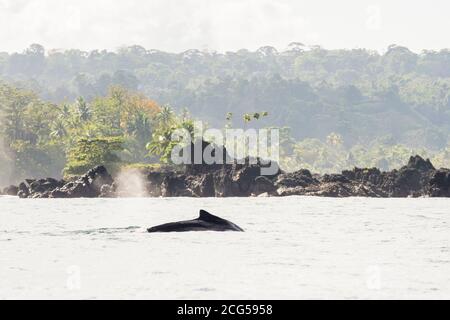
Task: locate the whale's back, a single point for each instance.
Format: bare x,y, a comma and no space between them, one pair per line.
205,222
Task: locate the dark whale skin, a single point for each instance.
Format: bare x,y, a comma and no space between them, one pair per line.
206,222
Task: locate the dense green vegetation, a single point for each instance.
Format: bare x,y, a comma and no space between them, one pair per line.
45,139
359,94
338,108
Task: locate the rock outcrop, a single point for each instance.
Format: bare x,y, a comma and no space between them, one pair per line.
90,185
439,185
10,191
418,178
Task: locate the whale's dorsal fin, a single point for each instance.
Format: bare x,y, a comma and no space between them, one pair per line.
208,217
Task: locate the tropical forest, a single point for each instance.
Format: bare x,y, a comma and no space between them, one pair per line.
64,111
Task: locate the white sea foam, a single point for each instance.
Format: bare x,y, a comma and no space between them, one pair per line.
293,248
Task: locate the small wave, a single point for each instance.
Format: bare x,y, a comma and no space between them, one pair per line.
206,289
15,232
439,261
106,230
421,216
99,231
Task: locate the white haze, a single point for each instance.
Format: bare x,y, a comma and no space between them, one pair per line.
131,183
6,167
178,25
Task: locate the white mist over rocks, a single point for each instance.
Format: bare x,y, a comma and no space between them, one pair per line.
131,183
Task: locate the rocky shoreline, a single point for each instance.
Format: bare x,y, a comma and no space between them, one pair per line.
418,178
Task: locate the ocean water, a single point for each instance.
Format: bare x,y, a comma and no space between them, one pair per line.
293,248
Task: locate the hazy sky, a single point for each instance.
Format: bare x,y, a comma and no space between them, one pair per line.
177,25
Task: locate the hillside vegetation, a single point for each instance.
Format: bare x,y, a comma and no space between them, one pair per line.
337,108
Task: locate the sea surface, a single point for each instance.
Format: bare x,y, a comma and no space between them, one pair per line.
293,248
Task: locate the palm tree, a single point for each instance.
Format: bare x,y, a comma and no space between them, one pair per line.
65,112
13,123
83,109
166,116
59,129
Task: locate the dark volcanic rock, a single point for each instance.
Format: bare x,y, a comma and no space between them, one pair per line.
107,191
418,163
417,178
439,185
242,179
176,185
411,180
24,190
263,185
38,188
43,188
223,183
301,178
11,191
334,178
204,186
227,180
372,175
198,164
295,183
87,186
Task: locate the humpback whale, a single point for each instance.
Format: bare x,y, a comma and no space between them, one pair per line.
205,222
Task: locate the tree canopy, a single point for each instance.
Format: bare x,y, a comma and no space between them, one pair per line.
360,94
338,108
